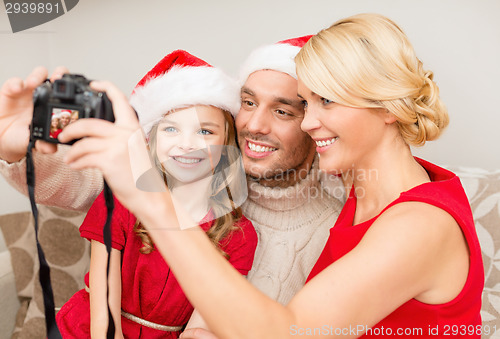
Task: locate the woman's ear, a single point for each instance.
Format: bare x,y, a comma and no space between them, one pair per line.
389,118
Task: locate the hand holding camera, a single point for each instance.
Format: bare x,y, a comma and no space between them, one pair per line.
71,95
64,101
110,147
16,111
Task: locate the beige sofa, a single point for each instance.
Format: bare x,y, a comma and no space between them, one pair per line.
21,300
68,255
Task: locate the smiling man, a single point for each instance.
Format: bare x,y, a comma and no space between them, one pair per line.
275,151
291,204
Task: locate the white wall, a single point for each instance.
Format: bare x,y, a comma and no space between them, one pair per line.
121,40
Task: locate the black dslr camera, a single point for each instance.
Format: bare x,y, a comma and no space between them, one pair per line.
63,102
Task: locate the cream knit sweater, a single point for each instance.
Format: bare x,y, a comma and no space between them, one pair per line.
292,223
56,184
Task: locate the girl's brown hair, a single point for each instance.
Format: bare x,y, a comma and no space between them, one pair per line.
221,193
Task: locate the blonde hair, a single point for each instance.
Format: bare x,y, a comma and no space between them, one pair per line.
221,194
366,61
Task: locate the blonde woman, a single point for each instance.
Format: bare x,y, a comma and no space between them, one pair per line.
402,259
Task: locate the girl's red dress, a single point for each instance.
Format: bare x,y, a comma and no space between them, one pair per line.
149,289
55,133
458,318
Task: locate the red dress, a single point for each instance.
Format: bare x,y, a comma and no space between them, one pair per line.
55,134
149,289
457,318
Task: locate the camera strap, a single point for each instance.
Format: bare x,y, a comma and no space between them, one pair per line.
106,233
44,271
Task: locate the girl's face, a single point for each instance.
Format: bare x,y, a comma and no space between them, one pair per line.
189,142
346,138
54,123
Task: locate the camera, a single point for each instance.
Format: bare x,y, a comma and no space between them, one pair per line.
56,105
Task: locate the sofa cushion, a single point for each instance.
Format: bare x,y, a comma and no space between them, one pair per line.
483,190
66,252
8,298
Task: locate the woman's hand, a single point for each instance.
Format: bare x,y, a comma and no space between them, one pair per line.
197,328
197,333
118,149
16,111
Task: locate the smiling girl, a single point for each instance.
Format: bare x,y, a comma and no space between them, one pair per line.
185,107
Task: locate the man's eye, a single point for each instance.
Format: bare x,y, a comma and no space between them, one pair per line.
248,103
282,112
304,102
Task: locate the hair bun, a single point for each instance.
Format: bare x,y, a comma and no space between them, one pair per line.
431,113
367,61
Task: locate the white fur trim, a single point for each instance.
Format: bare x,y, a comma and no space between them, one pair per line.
278,57
181,87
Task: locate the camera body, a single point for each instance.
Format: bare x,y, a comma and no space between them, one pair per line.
57,104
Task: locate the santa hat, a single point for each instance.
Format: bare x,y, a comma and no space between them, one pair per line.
277,57
65,112
180,80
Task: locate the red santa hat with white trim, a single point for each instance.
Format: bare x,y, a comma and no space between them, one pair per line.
65,112
181,80
277,57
